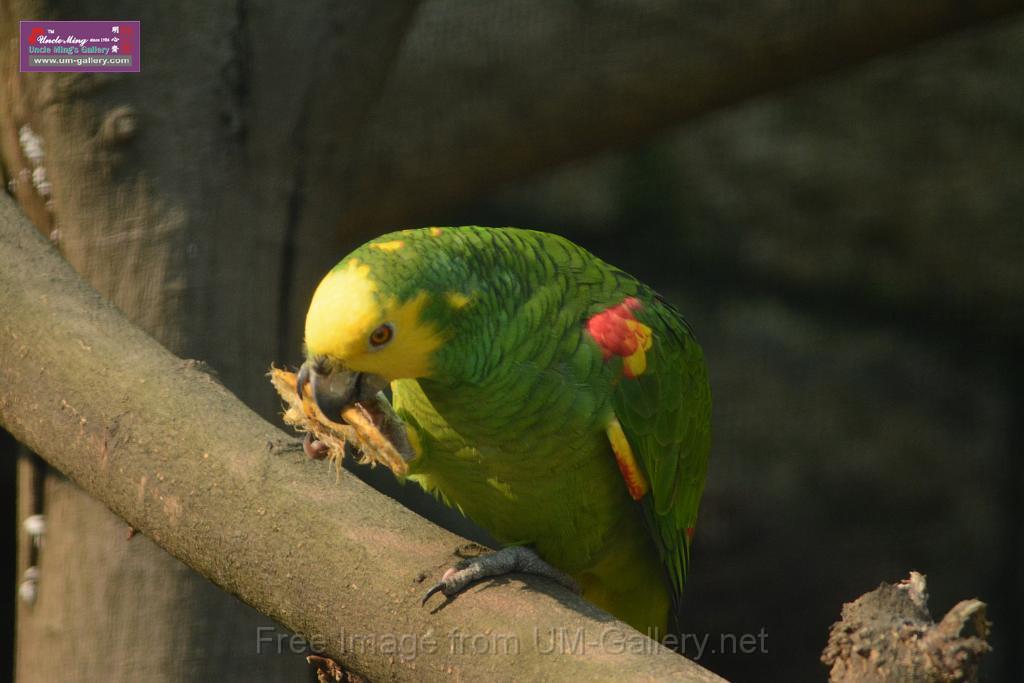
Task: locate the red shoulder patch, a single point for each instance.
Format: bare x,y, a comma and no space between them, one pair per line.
617,331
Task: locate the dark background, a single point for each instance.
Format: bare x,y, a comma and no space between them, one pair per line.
849,253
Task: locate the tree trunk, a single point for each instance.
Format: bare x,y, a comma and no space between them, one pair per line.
175,194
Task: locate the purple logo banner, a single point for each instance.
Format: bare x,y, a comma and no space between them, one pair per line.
81,46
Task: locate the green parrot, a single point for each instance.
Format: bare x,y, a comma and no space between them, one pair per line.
552,398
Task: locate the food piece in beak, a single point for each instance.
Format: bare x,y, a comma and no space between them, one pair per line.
336,390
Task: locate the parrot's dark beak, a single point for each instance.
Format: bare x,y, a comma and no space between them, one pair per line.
302,380
335,390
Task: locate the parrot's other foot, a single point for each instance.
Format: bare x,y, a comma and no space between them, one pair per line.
314,448
505,561
393,428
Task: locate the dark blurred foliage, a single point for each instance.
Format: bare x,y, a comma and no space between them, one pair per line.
850,254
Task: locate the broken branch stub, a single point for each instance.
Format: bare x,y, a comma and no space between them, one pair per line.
889,636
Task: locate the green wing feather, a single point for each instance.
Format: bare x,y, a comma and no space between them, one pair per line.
665,414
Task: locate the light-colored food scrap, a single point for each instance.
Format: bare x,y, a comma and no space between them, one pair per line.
359,428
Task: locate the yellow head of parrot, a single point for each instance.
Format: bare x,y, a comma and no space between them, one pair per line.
353,322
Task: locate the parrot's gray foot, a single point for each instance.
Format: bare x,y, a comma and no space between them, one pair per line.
505,561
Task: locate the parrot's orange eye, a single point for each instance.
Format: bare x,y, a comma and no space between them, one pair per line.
382,335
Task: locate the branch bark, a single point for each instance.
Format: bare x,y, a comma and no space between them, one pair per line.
889,636
182,460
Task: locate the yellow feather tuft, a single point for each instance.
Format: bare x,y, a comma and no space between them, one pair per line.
635,363
392,245
636,482
456,300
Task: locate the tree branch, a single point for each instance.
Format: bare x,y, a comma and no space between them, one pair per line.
182,460
888,636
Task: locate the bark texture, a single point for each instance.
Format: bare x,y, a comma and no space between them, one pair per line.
888,636
176,455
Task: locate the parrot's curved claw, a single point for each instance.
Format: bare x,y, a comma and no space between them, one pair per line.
510,559
436,588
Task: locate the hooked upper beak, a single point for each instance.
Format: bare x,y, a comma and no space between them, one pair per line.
336,390
302,380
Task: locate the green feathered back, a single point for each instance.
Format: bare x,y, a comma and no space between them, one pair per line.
666,416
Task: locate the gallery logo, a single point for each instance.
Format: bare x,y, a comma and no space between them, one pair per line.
105,46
